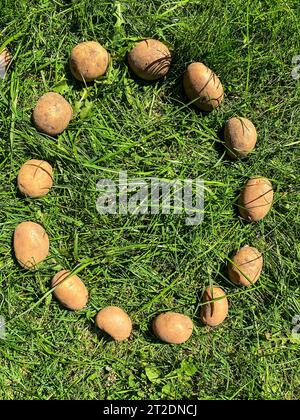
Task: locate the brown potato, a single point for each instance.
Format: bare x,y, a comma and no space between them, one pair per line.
52,114
256,199
31,244
240,137
246,266
172,327
150,59
214,313
71,292
202,83
35,178
115,322
88,61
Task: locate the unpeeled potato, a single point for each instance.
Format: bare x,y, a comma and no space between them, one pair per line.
35,178
203,86
89,61
115,322
52,114
256,199
246,266
150,59
70,291
240,137
172,327
31,244
215,312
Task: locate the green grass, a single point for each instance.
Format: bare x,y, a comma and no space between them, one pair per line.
152,263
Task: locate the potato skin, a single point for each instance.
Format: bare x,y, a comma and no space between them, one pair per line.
88,61
214,313
246,264
35,178
240,137
256,199
31,244
115,322
52,114
172,327
150,59
72,292
202,83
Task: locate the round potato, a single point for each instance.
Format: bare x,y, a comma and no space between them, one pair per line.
71,291
240,137
214,313
52,114
150,59
246,266
31,244
89,61
256,199
203,84
35,178
172,327
115,322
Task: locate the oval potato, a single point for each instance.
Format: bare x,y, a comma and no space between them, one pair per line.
35,178
256,199
89,61
52,114
71,292
150,59
202,83
172,327
246,266
31,244
115,322
214,313
240,137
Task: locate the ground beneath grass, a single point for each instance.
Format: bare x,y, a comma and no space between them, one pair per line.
151,263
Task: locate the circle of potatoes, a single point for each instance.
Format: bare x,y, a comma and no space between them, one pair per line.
149,60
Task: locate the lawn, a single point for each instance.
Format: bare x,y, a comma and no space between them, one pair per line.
151,263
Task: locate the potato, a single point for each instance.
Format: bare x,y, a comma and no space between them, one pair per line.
246,266
202,83
88,61
214,313
71,292
31,244
35,178
52,114
172,327
115,322
240,137
150,59
256,199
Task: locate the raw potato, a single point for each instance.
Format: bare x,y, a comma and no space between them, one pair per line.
115,322
256,199
172,327
72,292
88,61
214,313
246,266
150,59
240,137
31,244
52,114
35,178
202,83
